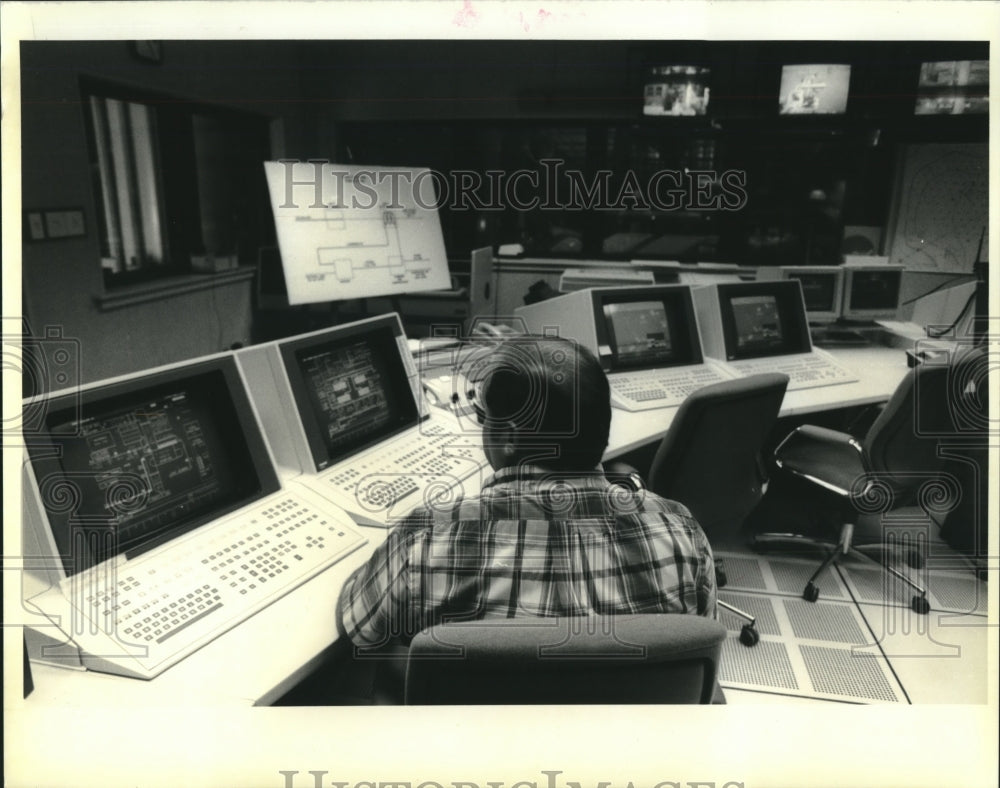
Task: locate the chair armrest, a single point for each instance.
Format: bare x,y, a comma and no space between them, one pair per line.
831,459
618,472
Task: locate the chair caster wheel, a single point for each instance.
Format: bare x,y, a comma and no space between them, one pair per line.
920,605
811,594
914,559
749,636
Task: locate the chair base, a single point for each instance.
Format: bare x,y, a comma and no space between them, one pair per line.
918,602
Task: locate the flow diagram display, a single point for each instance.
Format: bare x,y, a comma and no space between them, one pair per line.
350,231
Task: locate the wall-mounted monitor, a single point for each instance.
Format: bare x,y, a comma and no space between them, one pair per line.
814,89
953,87
871,292
822,288
676,90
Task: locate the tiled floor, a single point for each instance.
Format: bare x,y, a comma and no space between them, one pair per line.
860,642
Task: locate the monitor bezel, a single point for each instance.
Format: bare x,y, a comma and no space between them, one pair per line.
826,315
820,62
791,311
683,327
332,338
45,453
847,312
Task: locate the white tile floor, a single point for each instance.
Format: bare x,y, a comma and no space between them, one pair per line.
860,642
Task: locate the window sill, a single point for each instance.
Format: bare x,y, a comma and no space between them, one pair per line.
131,295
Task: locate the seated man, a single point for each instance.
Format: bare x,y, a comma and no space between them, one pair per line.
548,535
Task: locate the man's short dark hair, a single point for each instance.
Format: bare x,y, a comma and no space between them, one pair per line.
556,394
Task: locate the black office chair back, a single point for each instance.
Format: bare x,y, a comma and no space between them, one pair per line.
654,658
710,459
934,403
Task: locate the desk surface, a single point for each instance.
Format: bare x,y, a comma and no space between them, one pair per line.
258,661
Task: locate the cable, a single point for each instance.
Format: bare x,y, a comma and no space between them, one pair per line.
943,331
939,287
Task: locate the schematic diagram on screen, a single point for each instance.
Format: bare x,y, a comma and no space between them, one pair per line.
356,232
388,244
147,464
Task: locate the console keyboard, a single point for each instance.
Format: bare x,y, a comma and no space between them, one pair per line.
807,370
399,475
156,609
660,388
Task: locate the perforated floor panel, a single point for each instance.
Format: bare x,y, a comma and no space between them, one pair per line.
808,650
779,575
832,649
947,590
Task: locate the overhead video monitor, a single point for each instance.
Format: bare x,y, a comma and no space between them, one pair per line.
676,90
953,87
125,467
814,89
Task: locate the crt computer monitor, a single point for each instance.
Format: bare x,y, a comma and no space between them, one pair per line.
646,328
125,466
349,387
871,292
759,319
822,288
627,328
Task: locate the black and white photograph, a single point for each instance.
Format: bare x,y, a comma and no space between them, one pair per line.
430,393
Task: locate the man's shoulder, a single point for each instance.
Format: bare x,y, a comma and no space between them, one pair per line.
650,501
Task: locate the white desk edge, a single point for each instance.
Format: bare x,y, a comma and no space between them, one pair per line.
265,656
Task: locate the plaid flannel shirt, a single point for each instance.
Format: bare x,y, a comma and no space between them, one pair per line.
534,543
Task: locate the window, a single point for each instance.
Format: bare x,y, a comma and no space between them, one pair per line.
131,200
174,179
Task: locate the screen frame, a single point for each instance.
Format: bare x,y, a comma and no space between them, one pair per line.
814,63
330,339
682,323
791,311
848,312
825,315
45,455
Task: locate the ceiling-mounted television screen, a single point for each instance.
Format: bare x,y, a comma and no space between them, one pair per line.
814,89
953,87
676,90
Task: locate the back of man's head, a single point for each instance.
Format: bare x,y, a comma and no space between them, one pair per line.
554,396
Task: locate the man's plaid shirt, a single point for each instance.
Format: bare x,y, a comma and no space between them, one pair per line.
534,543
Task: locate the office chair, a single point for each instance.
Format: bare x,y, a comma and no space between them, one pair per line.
710,460
644,658
886,470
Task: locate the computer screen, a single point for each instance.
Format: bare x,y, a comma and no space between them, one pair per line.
124,467
648,327
953,87
871,292
814,89
758,323
350,388
676,90
763,319
351,231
